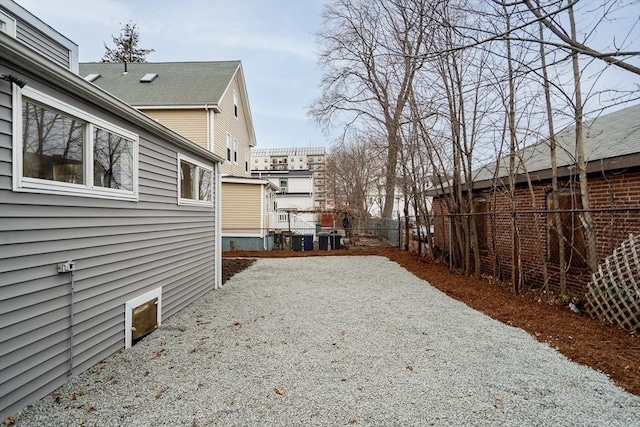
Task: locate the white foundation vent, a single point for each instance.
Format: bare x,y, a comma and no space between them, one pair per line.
142,316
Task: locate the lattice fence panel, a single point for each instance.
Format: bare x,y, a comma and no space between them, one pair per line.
614,291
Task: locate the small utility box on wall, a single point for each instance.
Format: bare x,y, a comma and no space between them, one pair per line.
142,316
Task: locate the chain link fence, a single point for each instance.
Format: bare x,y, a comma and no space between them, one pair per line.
535,246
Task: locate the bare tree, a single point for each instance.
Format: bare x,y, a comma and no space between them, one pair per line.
370,53
353,170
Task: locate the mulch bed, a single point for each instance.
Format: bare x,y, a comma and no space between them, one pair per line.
584,340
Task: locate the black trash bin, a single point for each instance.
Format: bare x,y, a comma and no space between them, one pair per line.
323,241
335,240
296,242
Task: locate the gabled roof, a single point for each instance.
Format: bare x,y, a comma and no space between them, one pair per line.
171,84
607,140
177,83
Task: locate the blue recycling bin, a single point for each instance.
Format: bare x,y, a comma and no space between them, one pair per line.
308,242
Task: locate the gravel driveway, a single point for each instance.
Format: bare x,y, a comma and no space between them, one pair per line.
335,341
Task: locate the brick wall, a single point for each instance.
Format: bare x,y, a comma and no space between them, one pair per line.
618,191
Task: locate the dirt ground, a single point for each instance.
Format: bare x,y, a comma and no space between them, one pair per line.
584,340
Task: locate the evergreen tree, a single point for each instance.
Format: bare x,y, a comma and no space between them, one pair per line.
126,46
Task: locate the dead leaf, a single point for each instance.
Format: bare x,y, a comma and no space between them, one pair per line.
161,392
9,421
499,399
157,354
73,397
409,368
278,391
353,421
571,384
90,408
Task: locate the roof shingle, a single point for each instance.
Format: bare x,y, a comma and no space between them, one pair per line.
178,83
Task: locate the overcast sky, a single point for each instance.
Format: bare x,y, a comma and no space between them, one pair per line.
273,39
275,42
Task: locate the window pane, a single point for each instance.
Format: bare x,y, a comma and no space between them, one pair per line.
52,145
205,180
187,176
112,160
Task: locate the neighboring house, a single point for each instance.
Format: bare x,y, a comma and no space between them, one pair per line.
208,103
294,200
612,152
102,211
249,206
313,159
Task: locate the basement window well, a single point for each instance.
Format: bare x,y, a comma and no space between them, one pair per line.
142,316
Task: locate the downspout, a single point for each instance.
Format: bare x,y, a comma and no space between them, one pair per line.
218,229
209,127
263,199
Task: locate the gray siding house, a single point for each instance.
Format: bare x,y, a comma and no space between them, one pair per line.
104,215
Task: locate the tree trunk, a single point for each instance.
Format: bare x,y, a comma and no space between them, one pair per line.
554,166
592,256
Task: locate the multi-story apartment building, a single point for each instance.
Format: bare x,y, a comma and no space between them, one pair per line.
290,159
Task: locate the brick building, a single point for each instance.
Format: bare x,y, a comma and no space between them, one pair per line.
612,152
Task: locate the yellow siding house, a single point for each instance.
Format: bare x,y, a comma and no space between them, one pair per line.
206,102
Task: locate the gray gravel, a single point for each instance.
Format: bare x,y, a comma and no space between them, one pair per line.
335,341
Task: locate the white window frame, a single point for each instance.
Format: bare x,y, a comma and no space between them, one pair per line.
235,151
192,202
236,107
229,153
45,186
